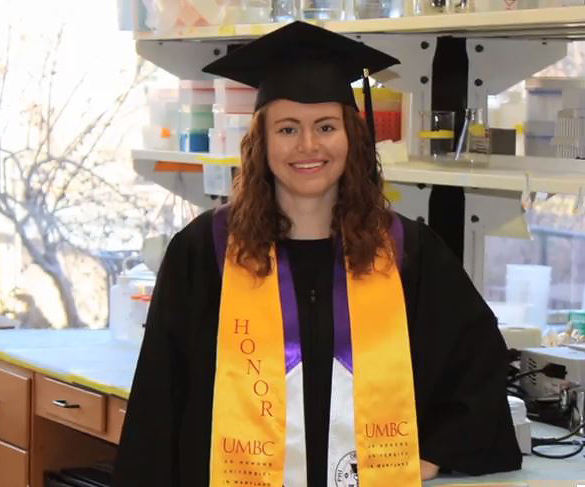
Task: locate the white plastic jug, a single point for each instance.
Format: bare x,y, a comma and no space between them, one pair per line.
129,301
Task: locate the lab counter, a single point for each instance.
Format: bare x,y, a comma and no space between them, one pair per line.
536,471
86,357
62,400
63,396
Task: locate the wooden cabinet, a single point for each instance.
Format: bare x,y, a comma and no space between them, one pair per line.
13,466
48,424
70,405
116,415
15,391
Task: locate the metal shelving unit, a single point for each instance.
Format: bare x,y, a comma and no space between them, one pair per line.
561,22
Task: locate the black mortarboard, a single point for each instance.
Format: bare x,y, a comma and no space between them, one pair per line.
303,63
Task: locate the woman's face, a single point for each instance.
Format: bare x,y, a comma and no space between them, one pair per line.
307,146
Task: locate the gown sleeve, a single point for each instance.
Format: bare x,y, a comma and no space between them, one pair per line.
459,362
147,453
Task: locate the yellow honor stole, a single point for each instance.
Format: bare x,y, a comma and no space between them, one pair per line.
249,410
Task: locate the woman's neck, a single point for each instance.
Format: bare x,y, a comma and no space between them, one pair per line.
310,216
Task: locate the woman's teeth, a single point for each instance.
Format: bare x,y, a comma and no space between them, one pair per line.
308,165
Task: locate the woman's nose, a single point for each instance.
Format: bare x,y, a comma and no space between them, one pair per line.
308,141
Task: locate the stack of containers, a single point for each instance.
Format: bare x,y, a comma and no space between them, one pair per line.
196,114
570,128
162,132
387,106
544,100
232,114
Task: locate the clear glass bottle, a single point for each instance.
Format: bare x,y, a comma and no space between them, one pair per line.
474,142
378,9
437,132
431,7
322,9
285,10
246,12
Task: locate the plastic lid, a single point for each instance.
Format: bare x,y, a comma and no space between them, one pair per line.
379,94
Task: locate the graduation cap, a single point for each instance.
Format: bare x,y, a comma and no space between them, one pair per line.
304,63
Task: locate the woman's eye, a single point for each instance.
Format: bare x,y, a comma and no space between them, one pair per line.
287,130
327,128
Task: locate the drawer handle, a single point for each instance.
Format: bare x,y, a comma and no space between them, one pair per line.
62,403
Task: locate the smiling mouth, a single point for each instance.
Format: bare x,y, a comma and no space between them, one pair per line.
308,166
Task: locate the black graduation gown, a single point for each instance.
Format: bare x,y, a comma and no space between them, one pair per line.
458,354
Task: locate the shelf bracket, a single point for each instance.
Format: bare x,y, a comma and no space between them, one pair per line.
498,64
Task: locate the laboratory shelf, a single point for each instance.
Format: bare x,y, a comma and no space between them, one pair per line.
181,173
508,173
543,23
184,157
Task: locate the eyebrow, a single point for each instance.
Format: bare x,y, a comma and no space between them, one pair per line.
294,120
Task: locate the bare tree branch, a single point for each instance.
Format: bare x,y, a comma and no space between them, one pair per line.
117,106
41,79
6,66
62,198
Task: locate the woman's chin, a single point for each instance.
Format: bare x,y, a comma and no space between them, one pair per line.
314,188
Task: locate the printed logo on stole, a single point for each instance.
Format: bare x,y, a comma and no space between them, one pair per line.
346,472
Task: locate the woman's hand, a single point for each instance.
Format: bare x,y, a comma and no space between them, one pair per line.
428,470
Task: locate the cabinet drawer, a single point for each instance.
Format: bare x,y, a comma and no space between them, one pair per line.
14,466
116,415
69,404
14,406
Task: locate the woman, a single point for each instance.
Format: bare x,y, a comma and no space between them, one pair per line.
305,334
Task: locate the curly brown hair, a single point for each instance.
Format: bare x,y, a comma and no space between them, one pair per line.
361,211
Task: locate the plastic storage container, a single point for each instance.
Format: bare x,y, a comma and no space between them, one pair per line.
377,9
538,138
222,120
226,138
322,9
387,105
194,142
544,96
246,12
570,134
544,101
200,92
195,121
129,301
195,117
217,141
159,138
233,140
233,97
163,108
570,126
